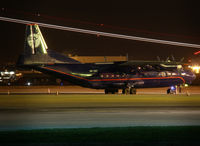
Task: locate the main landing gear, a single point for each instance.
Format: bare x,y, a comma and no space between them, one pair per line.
129,90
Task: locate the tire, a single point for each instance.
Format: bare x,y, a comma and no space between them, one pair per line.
168,91
133,91
123,91
127,91
114,91
106,91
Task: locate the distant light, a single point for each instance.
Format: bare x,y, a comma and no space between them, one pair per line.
28,83
186,85
19,74
196,69
179,66
198,52
12,72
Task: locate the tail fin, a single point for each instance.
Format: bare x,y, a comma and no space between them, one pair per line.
34,41
36,50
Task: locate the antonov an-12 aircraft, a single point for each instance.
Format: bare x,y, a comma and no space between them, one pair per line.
125,75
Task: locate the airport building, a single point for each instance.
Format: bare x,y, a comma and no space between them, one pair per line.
94,59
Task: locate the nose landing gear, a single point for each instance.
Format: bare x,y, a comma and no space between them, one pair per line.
174,89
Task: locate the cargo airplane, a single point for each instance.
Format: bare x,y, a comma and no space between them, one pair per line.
125,75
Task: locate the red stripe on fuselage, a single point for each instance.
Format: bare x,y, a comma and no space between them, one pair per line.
123,79
65,73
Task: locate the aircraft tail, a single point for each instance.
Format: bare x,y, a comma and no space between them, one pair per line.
36,50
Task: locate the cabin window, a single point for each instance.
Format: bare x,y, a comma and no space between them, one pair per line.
169,73
174,74
93,70
109,75
162,74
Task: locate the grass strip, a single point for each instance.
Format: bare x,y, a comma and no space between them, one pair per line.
106,135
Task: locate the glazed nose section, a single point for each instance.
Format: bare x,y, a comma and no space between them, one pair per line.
189,76
192,75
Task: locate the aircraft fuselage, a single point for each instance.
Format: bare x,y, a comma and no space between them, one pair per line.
119,76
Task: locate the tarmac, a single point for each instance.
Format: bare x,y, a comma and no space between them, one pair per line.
81,90
96,110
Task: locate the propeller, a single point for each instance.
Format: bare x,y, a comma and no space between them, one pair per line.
173,59
158,58
167,59
182,59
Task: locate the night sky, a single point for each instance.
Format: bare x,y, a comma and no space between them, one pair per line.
168,20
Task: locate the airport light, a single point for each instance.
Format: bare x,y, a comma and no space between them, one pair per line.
12,72
28,83
195,69
179,66
196,53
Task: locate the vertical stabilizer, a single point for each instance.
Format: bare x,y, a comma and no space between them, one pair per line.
34,41
35,49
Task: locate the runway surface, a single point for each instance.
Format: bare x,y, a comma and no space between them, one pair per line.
83,111
81,90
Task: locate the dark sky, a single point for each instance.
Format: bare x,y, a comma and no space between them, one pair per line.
168,20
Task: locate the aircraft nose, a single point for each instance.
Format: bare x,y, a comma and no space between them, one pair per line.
194,76
190,76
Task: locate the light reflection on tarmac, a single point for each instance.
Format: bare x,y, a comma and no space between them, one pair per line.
99,117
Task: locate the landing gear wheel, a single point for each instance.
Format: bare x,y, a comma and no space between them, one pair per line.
123,91
172,91
127,91
168,91
106,91
114,91
133,91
